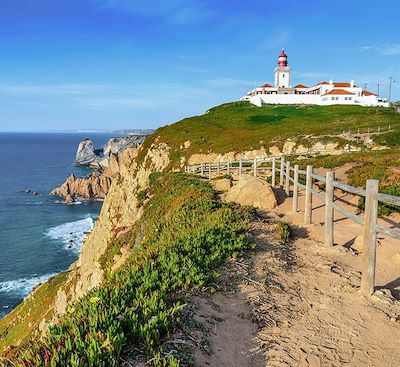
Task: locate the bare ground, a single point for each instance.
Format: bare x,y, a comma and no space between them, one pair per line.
296,304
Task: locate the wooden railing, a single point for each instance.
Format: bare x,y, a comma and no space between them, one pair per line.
293,176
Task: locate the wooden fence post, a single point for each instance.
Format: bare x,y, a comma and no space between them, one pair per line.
255,167
281,172
202,169
218,168
273,171
308,197
228,168
209,171
329,211
287,183
240,167
369,249
295,189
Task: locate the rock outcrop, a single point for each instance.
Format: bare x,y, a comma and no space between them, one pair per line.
252,191
115,145
96,185
86,153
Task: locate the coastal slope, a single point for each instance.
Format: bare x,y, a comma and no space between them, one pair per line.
237,130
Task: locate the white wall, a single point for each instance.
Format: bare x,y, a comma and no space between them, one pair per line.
261,99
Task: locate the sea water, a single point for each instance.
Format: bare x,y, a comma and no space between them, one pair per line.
40,236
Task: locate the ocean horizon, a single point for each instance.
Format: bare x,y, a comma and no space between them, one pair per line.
40,236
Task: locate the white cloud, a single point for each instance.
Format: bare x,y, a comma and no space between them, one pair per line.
60,89
311,74
177,11
388,49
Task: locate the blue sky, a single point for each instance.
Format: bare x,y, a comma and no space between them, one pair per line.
101,64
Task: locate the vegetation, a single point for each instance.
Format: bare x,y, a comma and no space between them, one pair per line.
242,126
380,165
187,233
284,231
17,326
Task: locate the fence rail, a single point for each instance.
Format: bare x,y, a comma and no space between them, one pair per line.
305,180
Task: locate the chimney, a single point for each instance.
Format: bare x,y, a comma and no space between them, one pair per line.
331,81
352,84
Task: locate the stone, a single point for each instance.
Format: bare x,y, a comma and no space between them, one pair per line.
358,244
384,296
69,199
95,185
252,191
115,145
396,258
86,153
223,184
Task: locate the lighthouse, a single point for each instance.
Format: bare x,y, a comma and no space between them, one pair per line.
282,72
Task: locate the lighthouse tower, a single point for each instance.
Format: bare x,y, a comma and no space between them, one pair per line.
282,72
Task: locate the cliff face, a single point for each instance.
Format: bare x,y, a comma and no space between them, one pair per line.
120,212
127,174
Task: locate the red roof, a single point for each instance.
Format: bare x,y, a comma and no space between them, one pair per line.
367,93
338,91
266,86
321,83
301,86
342,85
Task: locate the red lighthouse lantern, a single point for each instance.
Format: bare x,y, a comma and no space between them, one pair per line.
282,59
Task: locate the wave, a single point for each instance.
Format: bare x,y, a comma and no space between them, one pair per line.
72,234
23,286
34,202
63,202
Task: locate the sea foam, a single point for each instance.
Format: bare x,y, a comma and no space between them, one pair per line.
71,234
23,286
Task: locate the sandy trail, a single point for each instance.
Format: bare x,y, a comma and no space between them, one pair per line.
299,304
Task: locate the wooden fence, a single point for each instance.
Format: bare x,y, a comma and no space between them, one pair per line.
298,179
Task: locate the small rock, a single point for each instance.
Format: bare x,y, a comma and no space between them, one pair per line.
385,296
393,319
358,244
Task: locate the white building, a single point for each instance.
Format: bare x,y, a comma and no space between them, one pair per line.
323,93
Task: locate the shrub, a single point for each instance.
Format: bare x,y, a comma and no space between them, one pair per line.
187,233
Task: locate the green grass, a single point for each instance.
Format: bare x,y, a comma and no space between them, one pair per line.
188,232
241,126
373,164
18,325
390,139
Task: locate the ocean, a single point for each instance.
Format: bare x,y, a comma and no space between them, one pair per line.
39,235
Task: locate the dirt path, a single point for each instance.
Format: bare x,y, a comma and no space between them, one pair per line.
297,304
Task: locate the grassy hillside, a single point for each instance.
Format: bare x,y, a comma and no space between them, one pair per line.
241,126
184,231
187,232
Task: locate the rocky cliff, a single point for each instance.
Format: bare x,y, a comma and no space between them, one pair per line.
87,155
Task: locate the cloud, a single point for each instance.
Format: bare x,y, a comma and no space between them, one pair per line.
59,89
311,74
384,49
177,11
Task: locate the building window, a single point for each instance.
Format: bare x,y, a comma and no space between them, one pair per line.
350,98
333,98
